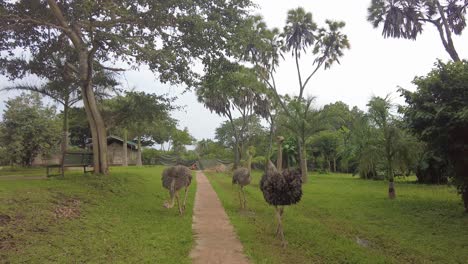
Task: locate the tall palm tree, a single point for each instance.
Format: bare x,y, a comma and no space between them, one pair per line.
406,18
301,33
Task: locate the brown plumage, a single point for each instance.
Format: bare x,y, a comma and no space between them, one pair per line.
174,179
281,188
242,177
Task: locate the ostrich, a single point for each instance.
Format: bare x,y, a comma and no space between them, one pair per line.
242,176
174,179
281,188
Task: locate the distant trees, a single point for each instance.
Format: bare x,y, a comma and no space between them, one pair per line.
137,114
210,149
28,129
437,113
406,18
180,138
229,89
328,144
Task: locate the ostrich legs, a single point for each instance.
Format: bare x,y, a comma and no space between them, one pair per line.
174,179
242,177
281,188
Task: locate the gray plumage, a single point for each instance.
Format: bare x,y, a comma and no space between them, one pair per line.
174,179
179,175
241,177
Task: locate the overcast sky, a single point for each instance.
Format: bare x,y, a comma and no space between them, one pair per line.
373,65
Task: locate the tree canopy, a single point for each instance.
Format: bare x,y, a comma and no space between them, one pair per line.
168,36
437,113
406,19
29,129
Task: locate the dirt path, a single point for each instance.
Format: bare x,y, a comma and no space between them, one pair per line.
215,239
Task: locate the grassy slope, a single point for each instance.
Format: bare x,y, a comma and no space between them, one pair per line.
425,224
121,220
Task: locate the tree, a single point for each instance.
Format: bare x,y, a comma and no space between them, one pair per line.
181,138
252,134
437,113
209,149
28,129
62,85
230,88
137,113
390,137
79,129
302,121
406,19
327,142
264,48
364,149
168,36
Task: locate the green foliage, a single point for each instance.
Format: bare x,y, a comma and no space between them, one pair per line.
264,47
406,18
208,149
145,118
151,155
252,134
228,88
437,113
327,143
79,129
181,138
133,31
136,112
28,129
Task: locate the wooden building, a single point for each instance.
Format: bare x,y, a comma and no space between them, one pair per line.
115,151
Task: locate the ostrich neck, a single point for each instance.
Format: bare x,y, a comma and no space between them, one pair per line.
279,162
249,163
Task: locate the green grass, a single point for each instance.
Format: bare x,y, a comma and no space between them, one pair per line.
8,172
425,224
93,219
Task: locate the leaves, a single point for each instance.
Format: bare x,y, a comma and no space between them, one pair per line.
28,129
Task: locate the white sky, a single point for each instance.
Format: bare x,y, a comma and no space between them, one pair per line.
373,65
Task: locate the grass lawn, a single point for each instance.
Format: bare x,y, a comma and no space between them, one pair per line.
93,219
342,219
7,172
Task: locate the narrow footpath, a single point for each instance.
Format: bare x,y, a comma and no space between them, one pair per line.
216,241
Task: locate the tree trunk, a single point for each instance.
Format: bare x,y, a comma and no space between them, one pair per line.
96,122
465,197
447,41
124,150
139,162
303,161
64,145
236,155
279,158
334,164
391,190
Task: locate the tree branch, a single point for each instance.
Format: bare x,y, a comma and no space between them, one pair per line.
313,73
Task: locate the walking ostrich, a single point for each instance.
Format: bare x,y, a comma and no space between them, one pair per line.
174,179
242,176
281,188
